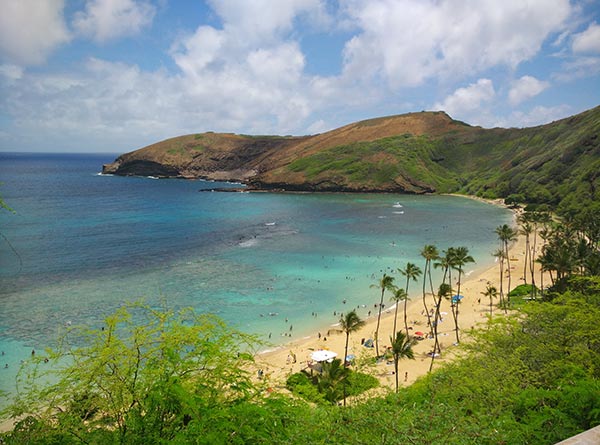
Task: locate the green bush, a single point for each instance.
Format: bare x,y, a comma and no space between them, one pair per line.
307,387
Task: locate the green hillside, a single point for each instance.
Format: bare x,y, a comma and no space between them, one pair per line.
555,164
531,379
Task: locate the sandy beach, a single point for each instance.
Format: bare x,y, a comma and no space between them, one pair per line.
294,356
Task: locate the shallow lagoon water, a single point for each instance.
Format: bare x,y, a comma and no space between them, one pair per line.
87,243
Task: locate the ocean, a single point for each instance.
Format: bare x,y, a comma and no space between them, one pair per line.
80,244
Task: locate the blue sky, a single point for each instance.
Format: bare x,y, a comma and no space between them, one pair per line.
115,75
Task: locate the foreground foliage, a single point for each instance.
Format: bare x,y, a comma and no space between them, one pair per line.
327,387
532,378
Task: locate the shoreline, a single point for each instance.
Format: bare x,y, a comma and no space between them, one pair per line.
278,362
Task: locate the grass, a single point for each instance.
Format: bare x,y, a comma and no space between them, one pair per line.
379,163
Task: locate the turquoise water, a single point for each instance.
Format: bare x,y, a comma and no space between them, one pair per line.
86,243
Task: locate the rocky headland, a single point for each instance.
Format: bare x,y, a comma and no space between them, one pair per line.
424,152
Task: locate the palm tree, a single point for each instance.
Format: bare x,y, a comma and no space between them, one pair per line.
349,322
398,295
401,348
460,257
331,376
499,254
386,283
506,235
430,253
411,272
444,262
491,292
542,221
526,231
443,292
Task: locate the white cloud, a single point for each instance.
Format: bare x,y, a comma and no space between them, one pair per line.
538,115
103,106
261,20
251,66
409,41
525,88
249,73
588,41
30,30
105,20
468,99
11,72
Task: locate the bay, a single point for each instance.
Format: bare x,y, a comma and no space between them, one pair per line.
80,244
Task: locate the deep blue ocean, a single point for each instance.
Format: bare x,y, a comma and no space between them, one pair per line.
80,244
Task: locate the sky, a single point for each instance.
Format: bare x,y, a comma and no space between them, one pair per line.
116,75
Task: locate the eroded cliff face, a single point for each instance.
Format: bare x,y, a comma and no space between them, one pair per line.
140,167
223,157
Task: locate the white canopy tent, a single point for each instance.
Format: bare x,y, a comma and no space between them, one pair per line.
323,355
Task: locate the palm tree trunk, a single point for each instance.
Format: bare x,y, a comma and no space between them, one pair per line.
436,317
396,371
526,258
395,317
509,274
377,328
345,355
532,262
405,316
502,303
405,304
455,312
454,308
427,263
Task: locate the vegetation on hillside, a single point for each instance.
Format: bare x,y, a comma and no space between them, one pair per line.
150,376
530,379
406,160
555,165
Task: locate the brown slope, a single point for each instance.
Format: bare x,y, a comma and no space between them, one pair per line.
219,156
260,159
433,124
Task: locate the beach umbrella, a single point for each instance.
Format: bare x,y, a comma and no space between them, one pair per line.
419,334
323,355
457,298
